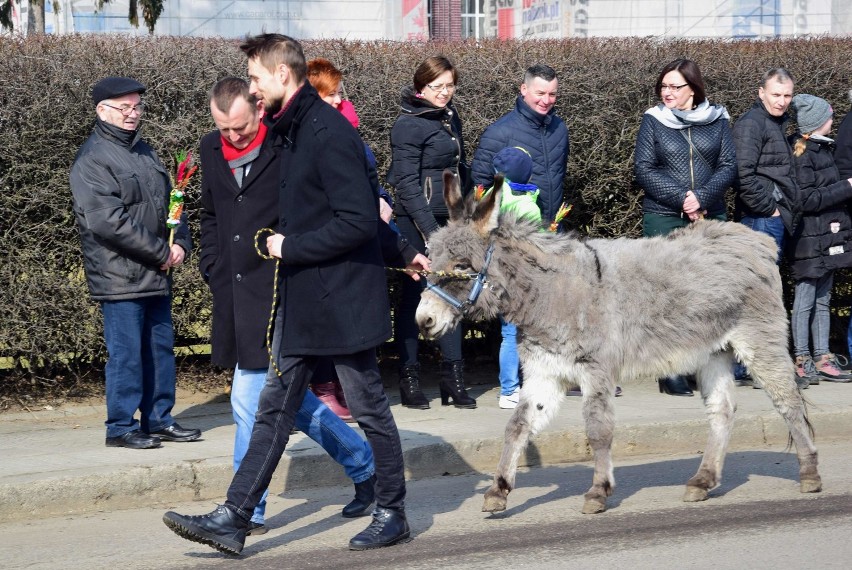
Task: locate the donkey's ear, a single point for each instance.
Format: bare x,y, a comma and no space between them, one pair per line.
486,216
452,195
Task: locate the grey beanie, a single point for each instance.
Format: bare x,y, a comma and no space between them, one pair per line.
811,112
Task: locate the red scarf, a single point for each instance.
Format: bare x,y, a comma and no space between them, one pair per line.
230,153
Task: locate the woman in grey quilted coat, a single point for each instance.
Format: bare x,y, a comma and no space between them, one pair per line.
684,161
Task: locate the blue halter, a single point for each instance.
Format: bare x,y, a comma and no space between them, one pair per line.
478,286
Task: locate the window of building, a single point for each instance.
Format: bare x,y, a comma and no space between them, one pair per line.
473,18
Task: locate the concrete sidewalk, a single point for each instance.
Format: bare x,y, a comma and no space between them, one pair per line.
54,462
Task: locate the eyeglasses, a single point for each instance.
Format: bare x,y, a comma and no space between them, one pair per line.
672,88
450,87
127,109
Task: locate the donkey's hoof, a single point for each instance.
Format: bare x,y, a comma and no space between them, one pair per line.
695,495
494,502
811,485
593,506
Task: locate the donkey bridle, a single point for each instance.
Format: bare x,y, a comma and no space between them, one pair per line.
478,285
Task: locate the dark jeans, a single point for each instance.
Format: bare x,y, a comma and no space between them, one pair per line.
140,372
280,401
406,331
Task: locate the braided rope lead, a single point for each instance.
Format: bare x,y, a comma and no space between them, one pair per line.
270,324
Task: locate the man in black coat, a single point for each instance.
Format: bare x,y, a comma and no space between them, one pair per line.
333,303
767,196
843,150
121,194
239,196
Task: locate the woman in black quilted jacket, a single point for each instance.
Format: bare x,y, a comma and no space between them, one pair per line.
822,241
426,139
684,161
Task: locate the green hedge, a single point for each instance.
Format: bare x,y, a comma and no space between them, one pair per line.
48,326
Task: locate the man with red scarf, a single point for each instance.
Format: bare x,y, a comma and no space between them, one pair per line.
239,195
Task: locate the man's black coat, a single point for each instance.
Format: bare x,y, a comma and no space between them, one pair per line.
332,281
241,281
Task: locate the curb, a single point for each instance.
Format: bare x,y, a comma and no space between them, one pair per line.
208,479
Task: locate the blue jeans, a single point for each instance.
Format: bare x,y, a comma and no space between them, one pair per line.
811,316
509,362
773,226
314,418
140,371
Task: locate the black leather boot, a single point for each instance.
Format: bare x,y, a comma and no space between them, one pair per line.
389,527
365,494
452,384
675,386
409,388
223,529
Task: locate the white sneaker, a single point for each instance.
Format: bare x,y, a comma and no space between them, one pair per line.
510,402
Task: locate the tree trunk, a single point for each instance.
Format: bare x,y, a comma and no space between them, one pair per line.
35,17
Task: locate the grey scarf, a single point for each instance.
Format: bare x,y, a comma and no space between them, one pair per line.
241,165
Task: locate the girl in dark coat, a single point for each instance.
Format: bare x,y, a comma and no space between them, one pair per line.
821,243
426,138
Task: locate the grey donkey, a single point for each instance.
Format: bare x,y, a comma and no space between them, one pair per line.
598,312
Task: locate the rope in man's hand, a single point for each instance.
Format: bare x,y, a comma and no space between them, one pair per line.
271,324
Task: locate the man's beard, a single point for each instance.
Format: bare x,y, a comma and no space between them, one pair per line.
272,107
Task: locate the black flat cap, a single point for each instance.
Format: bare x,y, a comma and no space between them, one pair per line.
111,87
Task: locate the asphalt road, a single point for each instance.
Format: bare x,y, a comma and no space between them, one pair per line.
756,519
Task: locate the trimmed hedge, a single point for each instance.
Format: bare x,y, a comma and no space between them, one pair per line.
48,326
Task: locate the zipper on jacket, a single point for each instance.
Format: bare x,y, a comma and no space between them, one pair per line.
691,171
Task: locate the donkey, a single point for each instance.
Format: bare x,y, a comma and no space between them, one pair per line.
598,312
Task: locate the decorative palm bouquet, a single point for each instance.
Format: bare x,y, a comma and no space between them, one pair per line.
185,170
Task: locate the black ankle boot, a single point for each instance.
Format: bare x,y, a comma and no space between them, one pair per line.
452,384
675,386
409,388
223,529
365,494
389,527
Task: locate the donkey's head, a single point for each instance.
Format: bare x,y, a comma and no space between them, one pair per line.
462,251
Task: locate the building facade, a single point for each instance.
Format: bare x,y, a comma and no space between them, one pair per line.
418,20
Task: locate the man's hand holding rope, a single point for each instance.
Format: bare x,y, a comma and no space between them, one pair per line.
420,263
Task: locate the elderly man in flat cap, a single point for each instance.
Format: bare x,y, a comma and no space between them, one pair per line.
121,194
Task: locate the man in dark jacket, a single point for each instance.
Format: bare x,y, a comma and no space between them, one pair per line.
843,160
334,301
120,196
766,192
843,151
534,126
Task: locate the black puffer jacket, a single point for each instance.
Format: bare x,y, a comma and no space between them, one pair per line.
121,195
667,167
823,240
766,178
424,141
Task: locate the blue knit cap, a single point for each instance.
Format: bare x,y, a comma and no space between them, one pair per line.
515,163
